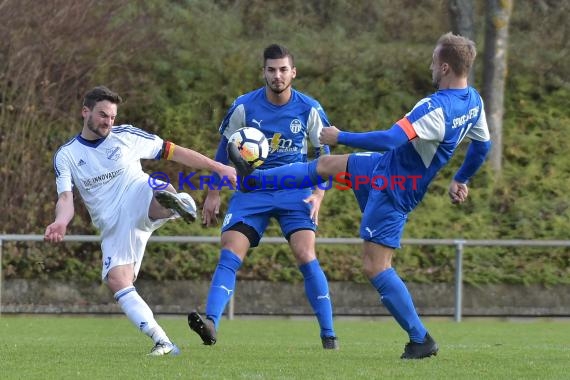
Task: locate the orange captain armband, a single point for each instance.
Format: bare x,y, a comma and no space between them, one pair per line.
168,150
407,127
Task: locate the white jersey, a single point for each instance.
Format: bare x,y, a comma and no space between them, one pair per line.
104,170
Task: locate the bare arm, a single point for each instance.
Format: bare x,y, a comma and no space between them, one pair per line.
64,211
197,160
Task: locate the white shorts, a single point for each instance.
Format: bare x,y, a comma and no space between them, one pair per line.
125,242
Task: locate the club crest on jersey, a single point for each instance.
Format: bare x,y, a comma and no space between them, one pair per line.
296,126
114,153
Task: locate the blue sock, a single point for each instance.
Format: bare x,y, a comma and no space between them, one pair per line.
317,291
397,299
292,176
223,285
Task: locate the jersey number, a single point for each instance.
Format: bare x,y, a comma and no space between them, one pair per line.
463,133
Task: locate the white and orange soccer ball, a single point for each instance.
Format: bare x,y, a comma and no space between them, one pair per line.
252,145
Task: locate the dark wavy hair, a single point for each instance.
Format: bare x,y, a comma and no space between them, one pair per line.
99,94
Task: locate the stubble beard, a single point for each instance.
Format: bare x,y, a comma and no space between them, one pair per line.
277,90
436,82
97,130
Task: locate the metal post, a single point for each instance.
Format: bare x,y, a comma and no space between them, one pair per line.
458,279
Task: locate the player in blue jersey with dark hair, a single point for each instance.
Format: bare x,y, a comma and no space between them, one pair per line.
416,147
292,122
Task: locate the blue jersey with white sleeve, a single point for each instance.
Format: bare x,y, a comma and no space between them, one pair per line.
414,150
439,122
291,130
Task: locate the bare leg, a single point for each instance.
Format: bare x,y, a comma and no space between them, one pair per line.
157,211
332,165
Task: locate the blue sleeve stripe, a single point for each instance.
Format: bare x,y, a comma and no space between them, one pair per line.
132,128
134,131
57,172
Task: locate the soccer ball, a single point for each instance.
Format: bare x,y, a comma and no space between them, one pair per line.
252,145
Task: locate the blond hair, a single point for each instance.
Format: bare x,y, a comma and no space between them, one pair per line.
458,52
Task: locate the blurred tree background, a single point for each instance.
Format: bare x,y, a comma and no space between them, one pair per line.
179,65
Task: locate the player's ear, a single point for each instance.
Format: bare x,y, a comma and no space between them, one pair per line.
85,111
293,72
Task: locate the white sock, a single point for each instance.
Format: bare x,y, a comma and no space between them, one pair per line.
138,312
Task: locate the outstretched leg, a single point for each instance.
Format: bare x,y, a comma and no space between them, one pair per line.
292,176
167,203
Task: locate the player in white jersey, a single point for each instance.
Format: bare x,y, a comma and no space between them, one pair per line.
291,121
103,163
389,185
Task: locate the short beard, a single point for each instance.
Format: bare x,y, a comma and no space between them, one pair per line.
94,129
274,90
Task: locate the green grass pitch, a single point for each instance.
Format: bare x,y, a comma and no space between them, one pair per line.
103,347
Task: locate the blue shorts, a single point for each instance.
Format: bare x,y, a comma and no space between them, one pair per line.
382,222
257,207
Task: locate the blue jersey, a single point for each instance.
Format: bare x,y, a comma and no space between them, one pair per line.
440,121
289,128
